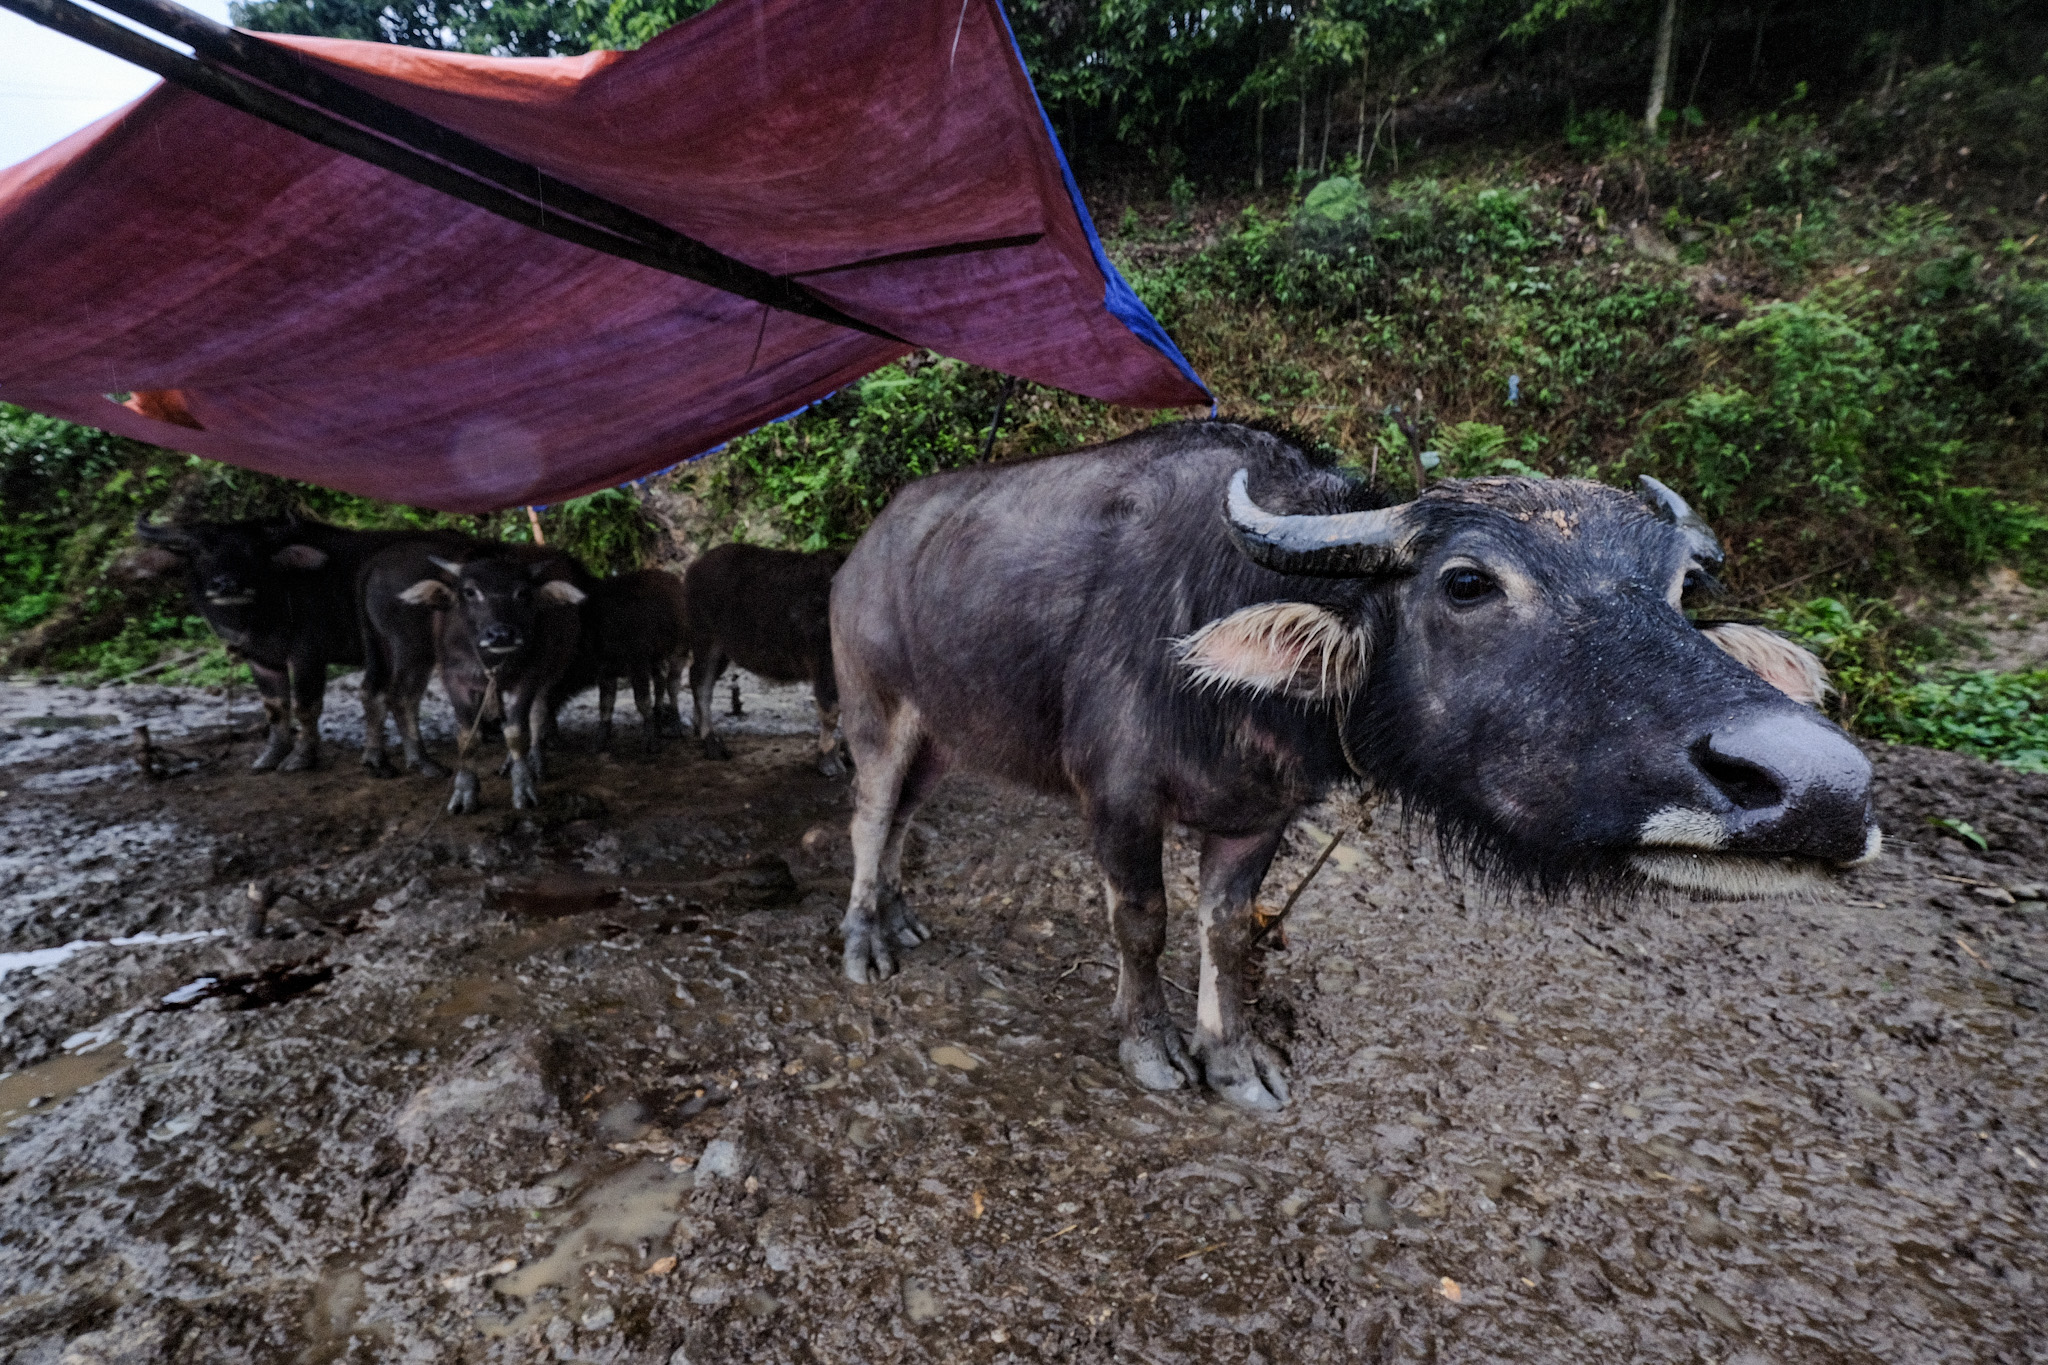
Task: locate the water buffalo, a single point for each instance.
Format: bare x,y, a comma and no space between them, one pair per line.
1200,624
506,630
280,593
633,627
767,611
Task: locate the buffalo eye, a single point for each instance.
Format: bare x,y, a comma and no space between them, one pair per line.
1466,586
473,593
1698,582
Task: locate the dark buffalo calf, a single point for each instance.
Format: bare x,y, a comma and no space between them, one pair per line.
769,612
633,628
280,593
506,629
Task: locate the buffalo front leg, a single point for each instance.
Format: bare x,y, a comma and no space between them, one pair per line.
1151,1048
887,790
273,686
1235,1064
309,699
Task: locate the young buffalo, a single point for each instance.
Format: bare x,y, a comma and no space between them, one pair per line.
280,593
633,627
767,611
506,630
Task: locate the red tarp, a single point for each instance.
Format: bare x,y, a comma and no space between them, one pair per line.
280,306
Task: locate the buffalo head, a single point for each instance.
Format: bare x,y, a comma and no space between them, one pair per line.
1510,655
233,564
499,599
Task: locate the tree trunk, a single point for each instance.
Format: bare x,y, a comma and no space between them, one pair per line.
1660,67
1756,49
1259,148
1364,68
1301,137
1323,159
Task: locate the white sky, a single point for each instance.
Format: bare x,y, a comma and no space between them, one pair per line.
51,85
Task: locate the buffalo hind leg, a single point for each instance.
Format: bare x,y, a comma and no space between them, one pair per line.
1151,1049
275,689
375,760
825,692
1235,1064
647,701
887,789
408,691
309,699
607,698
706,664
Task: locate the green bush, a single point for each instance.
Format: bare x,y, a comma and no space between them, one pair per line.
822,476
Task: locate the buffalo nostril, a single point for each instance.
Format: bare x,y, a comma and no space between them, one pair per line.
1748,785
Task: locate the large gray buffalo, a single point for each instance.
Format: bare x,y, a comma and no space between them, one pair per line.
1200,624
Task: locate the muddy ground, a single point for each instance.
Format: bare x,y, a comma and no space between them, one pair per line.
586,1084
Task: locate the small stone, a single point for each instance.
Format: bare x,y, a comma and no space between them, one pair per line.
957,1058
720,1161
598,1317
1450,1289
662,1266
504,1267
1293,1204
919,1303
679,1356
173,1128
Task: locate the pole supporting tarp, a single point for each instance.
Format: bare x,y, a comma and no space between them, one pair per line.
186,273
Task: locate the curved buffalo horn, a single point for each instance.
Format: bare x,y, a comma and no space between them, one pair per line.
1342,545
1669,507
170,537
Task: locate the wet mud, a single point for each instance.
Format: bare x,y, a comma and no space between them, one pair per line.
298,1068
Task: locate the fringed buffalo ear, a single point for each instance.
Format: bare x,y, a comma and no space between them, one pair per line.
429,592
299,557
1292,648
561,592
1784,665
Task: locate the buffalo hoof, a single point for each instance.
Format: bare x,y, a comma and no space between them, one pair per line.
831,765
426,767
900,923
272,755
300,760
1157,1057
714,747
463,802
523,795
377,765
535,764
1246,1072
868,959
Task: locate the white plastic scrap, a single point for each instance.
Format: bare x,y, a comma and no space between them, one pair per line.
50,957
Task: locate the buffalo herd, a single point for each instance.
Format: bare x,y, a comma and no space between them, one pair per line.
514,631
1202,625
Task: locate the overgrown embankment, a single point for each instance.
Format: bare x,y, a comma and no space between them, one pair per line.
1829,330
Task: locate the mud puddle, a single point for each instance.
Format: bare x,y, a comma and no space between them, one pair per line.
584,1084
